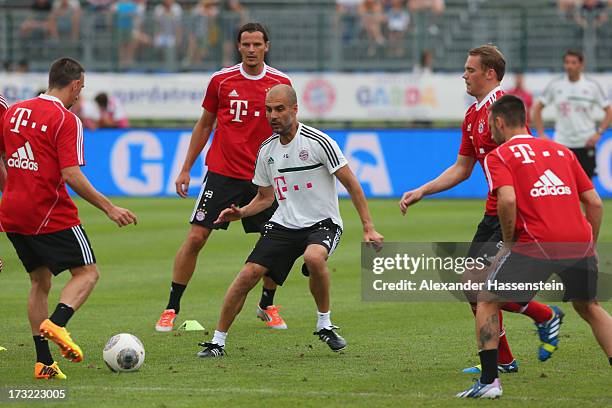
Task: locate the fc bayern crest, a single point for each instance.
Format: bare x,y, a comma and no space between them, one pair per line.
303,154
481,126
200,215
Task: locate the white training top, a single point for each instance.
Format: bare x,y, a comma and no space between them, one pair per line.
302,175
574,102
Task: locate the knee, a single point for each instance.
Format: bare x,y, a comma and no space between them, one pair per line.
249,276
40,284
585,309
315,262
196,239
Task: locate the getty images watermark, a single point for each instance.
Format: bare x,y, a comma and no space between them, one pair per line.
450,271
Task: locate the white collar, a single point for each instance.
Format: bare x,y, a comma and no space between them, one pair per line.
521,137
488,97
253,77
49,98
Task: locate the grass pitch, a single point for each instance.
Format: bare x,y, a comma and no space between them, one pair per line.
399,354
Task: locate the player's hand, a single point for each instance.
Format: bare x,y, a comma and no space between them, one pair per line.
122,216
373,238
409,198
182,183
229,214
593,140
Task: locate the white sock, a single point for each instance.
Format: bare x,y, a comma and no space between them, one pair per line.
323,320
219,338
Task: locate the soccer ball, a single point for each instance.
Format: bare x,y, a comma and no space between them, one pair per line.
124,352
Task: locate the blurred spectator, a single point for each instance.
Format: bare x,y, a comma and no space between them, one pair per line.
168,28
23,67
65,20
87,112
101,12
425,65
126,13
141,38
520,91
233,16
36,26
592,13
435,8
347,14
203,33
372,19
398,21
111,114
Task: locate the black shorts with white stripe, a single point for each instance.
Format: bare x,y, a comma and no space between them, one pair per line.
279,247
61,250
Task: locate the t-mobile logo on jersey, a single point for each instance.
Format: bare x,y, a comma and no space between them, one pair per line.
18,118
525,151
281,187
238,108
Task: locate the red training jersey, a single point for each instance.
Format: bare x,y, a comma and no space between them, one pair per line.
238,99
39,137
476,140
548,180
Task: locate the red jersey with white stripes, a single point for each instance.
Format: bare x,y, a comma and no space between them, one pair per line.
238,99
548,180
39,137
476,140
3,106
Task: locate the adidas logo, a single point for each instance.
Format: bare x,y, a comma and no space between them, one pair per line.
549,185
23,158
270,160
233,93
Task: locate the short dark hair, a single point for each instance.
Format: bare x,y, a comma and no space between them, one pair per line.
102,100
512,109
251,28
63,72
574,53
491,58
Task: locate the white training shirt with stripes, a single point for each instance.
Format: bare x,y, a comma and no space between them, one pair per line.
574,103
302,174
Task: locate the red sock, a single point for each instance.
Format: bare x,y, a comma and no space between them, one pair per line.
504,353
539,312
513,307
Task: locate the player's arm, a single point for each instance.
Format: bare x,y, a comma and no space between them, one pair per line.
602,127
537,120
455,174
262,200
593,210
506,211
74,177
199,138
350,182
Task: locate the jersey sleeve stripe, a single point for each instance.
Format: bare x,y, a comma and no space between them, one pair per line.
79,141
488,173
333,160
329,150
3,102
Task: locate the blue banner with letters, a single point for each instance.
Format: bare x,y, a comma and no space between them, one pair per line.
145,162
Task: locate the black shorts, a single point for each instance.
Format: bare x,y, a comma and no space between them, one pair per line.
486,241
61,250
279,247
586,158
220,192
579,277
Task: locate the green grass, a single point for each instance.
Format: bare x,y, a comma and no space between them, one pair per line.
399,354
